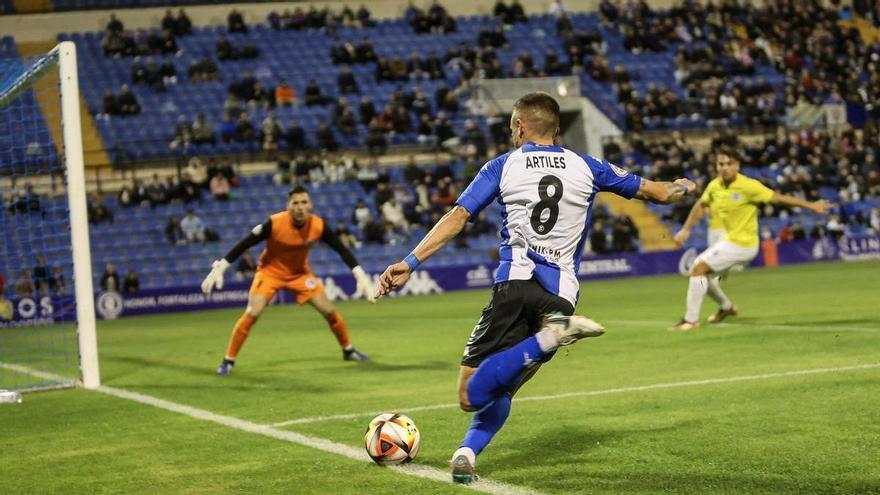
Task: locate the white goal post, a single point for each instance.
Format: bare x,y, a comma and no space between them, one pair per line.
63,60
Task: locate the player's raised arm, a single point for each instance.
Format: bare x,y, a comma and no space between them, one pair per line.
664,192
818,207
364,284
257,235
396,275
696,213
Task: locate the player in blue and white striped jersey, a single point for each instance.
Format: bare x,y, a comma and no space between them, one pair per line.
547,194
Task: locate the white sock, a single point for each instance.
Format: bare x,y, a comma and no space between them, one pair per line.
717,294
467,452
547,340
697,287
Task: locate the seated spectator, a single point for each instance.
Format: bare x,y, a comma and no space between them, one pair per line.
377,142
270,132
598,239
445,194
193,227
325,138
283,175
155,192
219,187
249,51
260,97
169,44
392,212
131,284
285,95
204,70
42,275
225,50
346,237
24,285
227,128
623,235
346,81
126,197
364,52
173,232
295,137
313,94
374,232
183,135
235,22
127,103
363,17
361,215
202,130
57,283
244,130
115,26
110,279
97,210
245,268
110,105
183,24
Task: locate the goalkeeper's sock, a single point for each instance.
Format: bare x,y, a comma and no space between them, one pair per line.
501,372
239,334
697,287
339,329
486,423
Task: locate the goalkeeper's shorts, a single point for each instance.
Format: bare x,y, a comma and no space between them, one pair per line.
304,287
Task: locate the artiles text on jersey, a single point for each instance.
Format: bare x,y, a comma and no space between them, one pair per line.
545,161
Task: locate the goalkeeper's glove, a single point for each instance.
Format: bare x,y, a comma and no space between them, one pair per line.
215,278
364,284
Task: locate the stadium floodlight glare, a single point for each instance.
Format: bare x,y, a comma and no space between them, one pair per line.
40,143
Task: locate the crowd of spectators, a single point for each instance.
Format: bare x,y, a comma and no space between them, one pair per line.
42,280
841,167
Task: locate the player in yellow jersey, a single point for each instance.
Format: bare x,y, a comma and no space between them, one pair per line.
735,199
715,232
289,236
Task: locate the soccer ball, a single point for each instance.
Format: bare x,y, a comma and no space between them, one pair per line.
392,438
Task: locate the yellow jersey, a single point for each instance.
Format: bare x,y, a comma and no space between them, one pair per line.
737,207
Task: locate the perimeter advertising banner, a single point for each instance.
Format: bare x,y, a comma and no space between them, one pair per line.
30,311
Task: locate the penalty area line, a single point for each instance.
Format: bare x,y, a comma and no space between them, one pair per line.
322,444
588,393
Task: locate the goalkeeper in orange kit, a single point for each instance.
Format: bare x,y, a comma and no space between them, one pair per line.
284,264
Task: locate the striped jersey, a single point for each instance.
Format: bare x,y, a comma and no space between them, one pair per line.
546,194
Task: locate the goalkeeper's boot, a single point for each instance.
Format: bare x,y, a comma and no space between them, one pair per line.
353,354
462,470
570,329
225,367
721,314
684,326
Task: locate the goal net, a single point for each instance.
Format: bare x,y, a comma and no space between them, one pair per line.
47,320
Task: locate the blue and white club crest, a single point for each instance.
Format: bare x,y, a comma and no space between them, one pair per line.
735,196
310,283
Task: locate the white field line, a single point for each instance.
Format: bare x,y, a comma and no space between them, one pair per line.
620,390
417,470
661,325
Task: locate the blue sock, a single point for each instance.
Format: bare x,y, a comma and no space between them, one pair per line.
501,372
486,423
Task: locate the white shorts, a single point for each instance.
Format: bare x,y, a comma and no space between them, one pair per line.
724,254
715,235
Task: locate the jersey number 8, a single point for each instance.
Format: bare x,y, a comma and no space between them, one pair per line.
547,202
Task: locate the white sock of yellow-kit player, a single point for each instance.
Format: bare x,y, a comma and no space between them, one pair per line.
697,287
717,294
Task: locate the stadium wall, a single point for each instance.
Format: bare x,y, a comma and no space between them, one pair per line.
39,311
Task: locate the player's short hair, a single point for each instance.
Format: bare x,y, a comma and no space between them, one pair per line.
540,110
297,190
730,152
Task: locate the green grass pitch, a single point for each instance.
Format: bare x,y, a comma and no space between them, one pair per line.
768,434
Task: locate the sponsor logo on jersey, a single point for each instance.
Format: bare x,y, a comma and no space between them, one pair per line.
109,305
617,170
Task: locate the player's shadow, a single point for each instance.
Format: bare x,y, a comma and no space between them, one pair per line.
240,381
